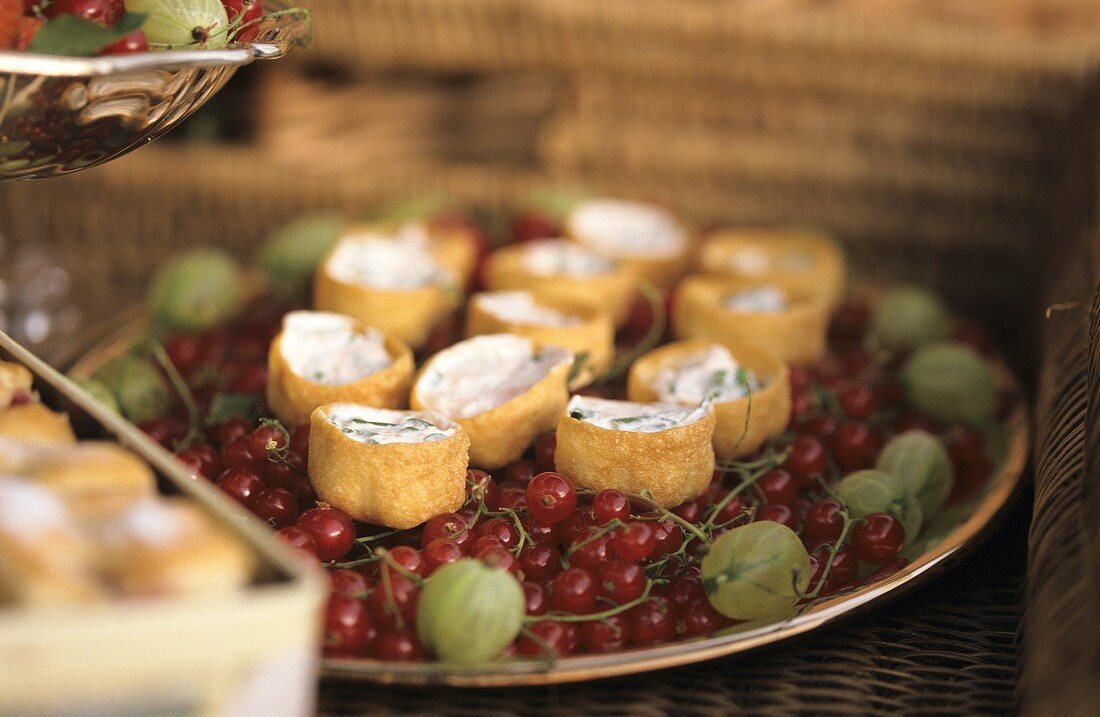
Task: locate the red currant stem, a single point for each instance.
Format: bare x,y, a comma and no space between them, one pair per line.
685,524
276,457
397,567
377,536
746,512
603,530
826,400
820,480
524,536
182,390
833,549
745,467
603,615
748,411
652,337
749,480
357,562
548,652
391,604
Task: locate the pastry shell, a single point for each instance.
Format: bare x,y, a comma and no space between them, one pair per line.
14,380
293,398
194,557
673,465
89,475
742,425
36,423
594,338
826,276
408,314
501,434
661,270
397,485
612,292
795,335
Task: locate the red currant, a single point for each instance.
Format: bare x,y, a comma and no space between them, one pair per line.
857,401
668,536
332,531
620,581
500,528
521,471
298,539
575,591
607,635
235,454
347,625
591,549
440,552
559,637
823,522
685,588
447,526
778,513
806,459
347,582
183,351
610,505
545,445
700,618
878,538
406,559
104,12
394,601
551,497
652,622
636,541
277,506
540,561
397,646
534,595
266,439
777,486
855,446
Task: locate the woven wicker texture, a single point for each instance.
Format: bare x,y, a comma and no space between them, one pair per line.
1062,650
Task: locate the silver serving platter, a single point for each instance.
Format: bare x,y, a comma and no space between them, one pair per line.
63,114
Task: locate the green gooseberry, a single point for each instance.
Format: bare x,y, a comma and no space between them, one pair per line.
469,611
291,254
951,383
909,317
139,389
875,491
98,391
196,290
756,571
920,460
176,24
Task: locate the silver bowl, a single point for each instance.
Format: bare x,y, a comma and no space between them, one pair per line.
63,114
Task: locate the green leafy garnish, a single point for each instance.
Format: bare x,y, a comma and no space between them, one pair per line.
76,37
578,366
231,405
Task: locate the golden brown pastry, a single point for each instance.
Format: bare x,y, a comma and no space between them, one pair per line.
502,389
35,423
44,559
787,323
649,240
87,475
396,287
321,358
637,448
750,389
558,270
800,261
15,384
391,468
159,547
587,332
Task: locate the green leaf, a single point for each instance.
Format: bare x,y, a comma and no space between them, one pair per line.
77,37
230,405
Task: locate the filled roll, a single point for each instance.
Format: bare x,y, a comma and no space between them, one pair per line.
787,323
391,468
159,547
638,448
34,422
804,262
558,270
321,357
649,240
502,389
394,286
749,388
587,332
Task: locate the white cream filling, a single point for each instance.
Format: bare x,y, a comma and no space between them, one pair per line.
628,229
378,426
28,510
478,374
758,300
632,417
559,257
380,262
149,521
519,307
326,348
712,373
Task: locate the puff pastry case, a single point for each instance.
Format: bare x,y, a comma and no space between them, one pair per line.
119,573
